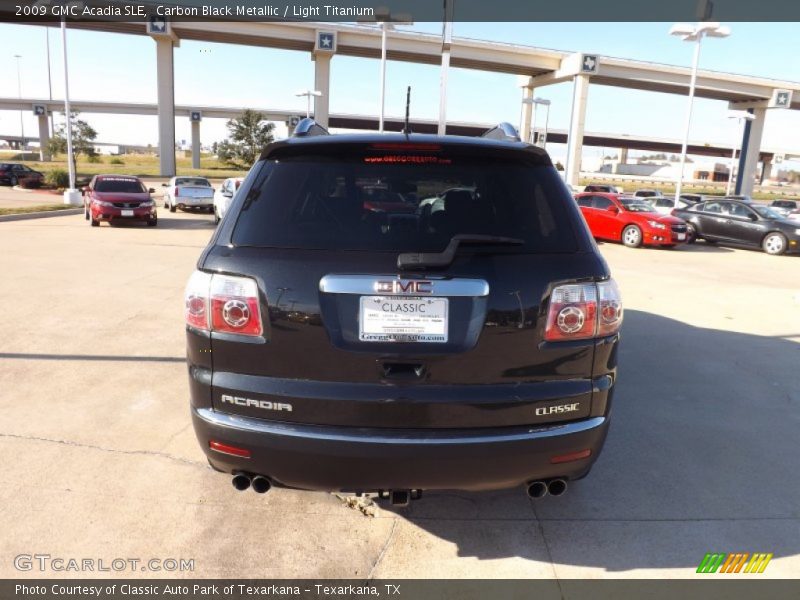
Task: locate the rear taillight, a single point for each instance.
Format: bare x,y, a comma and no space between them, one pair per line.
223,303
176,193
583,310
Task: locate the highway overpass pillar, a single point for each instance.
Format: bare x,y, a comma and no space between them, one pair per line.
166,104
766,170
751,148
577,123
44,137
195,144
527,113
623,156
322,83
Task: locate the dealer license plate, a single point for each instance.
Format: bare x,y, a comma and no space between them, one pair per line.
403,319
127,213
681,236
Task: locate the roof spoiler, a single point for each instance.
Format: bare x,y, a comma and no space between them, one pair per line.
503,131
308,127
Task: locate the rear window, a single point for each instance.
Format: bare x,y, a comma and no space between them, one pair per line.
403,203
119,186
192,181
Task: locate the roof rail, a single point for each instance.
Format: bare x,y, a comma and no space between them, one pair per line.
308,127
502,131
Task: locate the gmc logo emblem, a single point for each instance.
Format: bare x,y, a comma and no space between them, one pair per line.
398,286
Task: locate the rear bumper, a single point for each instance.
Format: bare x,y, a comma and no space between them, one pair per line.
187,202
362,459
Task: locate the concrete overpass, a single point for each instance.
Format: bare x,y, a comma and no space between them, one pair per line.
370,123
623,142
541,67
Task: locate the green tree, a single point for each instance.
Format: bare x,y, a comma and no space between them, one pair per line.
83,137
247,136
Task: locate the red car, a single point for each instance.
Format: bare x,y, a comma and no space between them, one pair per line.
632,221
115,198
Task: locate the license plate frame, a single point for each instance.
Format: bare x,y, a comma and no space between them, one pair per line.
377,324
126,213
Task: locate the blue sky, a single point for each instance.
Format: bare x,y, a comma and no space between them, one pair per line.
122,67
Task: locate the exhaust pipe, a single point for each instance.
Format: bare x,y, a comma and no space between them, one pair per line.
537,489
241,481
261,485
556,487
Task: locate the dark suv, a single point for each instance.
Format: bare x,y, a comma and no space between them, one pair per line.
394,313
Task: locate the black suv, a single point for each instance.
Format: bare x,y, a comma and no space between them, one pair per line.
394,313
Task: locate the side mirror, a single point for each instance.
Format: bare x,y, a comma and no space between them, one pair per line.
83,191
151,191
164,185
753,217
612,209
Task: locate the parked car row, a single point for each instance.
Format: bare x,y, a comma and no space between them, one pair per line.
650,219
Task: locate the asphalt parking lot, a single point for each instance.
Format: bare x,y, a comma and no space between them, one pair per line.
100,460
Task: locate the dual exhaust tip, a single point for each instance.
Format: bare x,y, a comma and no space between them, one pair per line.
554,487
259,483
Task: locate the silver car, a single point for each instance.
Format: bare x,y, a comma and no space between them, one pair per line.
224,196
188,192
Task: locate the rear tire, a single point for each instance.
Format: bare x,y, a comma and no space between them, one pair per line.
86,212
152,222
216,215
172,207
691,234
774,243
95,223
632,236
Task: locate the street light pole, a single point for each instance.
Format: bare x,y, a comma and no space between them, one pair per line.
447,40
687,128
308,94
693,33
49,79
384,28
538,102
19,95
71,195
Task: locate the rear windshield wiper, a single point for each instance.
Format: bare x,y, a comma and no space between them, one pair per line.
412,260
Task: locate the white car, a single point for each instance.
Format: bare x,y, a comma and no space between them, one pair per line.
188,192
666,204
224,196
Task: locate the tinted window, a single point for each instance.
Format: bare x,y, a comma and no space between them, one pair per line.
737,210
414,204
663,202
585,201
192,181
602,202
119,186
712,207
